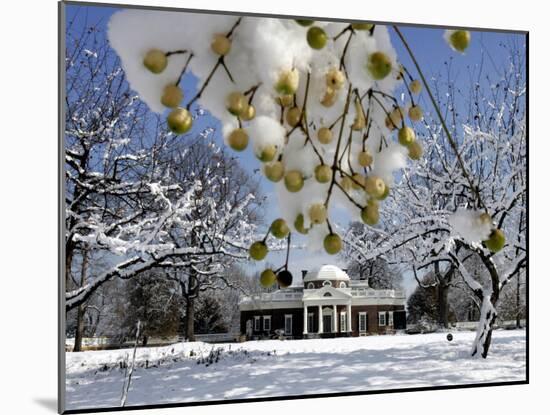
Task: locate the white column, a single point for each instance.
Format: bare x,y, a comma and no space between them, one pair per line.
320,319
349,317
305,319
335,317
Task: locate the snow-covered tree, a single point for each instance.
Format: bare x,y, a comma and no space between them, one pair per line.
377,271
152,299
460,200
122,199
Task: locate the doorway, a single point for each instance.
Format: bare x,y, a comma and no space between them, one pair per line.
327,324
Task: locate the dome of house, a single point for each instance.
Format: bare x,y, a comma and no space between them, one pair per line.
327,272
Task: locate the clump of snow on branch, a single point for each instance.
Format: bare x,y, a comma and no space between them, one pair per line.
266,132
470,225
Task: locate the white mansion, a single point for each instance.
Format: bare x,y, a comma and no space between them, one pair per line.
327,304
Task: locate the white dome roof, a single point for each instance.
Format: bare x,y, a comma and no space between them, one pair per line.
327,272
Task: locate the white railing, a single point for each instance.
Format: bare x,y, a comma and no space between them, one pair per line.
275,296
298,295
371,293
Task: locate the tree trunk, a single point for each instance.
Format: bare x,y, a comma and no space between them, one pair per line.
190,319
81,311
518,303
79,328
444,282
443,304
484,333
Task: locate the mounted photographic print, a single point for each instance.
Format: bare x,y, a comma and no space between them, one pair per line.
277,207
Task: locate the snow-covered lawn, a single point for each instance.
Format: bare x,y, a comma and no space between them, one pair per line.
299,367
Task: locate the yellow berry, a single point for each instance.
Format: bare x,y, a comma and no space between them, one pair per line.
379,65
370,213
274,171
415,113
279,228
155,60
375,186
365,159
288,82
397,115
179,121
267,153
258,250
316,38
359,121
330,97
236,103
294,181
335,79
496,241
171,96
249,113
286,100
406,136
267,278
323,173
362,26
317,213
346,183
299,224
324,135
238,139
459,40
220,45
293,116
332,243
415,86
415,150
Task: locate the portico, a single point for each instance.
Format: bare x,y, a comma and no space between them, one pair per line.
333,309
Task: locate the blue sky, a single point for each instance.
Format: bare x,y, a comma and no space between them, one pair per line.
433,55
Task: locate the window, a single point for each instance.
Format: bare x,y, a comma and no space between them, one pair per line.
390,318
256,323
381,318
343,322
267,323
342,284
362,322
310,322
327,295
310,285
288,324
326,283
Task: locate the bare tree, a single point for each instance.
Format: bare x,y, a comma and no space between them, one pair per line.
487,176
122,198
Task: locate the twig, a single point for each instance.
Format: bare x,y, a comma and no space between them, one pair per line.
451,141
125,390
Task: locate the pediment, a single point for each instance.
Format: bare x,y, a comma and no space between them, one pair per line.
327,293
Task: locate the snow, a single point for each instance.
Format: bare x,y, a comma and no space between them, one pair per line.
468,225
297,367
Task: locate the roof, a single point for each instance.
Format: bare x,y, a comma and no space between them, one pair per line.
327,272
